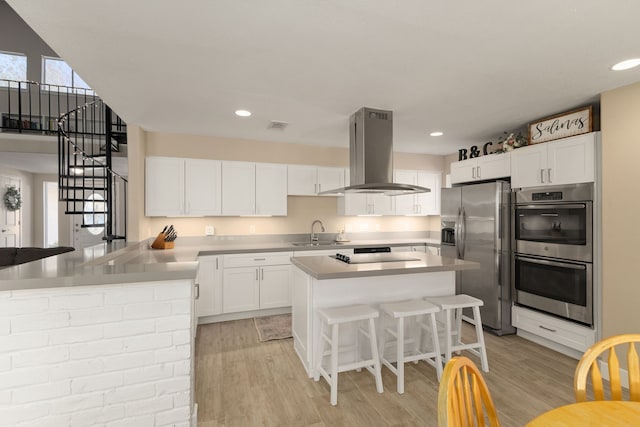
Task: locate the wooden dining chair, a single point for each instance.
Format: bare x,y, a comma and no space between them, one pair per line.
463,396
589,364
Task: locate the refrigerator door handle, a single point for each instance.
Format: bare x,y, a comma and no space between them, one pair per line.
463,232
456,234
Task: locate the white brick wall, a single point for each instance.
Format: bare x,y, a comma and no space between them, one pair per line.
113,355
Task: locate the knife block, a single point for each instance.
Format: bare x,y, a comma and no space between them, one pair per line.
159,243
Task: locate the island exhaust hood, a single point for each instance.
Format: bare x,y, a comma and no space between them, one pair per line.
371,156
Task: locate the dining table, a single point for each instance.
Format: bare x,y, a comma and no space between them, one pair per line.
601,413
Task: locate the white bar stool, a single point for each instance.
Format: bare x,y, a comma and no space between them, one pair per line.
452,307
334,317
400,311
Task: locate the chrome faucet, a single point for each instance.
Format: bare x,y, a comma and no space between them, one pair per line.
314,238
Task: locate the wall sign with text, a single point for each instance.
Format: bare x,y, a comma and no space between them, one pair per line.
571,123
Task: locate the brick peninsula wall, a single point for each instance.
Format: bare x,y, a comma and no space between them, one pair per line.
109,355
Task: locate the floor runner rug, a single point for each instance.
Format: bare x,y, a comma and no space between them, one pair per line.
274,327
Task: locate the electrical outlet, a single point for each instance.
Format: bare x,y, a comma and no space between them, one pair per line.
209,230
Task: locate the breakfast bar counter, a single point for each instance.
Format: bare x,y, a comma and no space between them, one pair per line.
324,281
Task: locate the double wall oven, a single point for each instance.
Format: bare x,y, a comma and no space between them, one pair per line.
553,250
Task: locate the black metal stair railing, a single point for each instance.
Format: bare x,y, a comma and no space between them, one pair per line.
33,107
87,137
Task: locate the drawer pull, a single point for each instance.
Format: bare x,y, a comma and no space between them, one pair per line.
259,259
547,329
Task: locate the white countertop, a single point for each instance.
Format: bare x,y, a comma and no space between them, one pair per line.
325,267
119,262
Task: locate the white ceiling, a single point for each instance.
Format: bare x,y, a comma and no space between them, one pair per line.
469,68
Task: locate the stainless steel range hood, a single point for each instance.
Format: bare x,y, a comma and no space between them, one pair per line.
371,155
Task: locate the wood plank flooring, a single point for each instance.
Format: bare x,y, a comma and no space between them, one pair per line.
243,382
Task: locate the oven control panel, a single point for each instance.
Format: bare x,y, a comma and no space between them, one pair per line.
549,195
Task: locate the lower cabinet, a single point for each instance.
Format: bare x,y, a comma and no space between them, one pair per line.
560,331
209,280
241,289
275,286
256,281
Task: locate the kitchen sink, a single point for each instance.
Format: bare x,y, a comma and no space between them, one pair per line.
315,243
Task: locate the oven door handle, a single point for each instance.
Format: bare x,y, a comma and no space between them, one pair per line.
548,205
552,263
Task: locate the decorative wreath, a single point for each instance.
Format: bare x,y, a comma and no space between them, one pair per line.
12,199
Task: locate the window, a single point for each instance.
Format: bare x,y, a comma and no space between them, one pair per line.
94,209
55,71
13,66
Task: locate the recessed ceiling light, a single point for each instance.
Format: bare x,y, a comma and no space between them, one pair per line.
625,65
243,113
436,134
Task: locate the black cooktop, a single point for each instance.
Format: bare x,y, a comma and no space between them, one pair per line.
373,257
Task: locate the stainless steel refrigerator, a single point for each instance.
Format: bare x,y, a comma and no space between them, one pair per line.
476,227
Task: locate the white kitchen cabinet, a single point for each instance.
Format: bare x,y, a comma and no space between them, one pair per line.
271,189
238,188
203,187
254,188
275,286
304,180
177,186
256,281
240,290
560,331
434,250
366,204
421,203
481,168
567,161
209,280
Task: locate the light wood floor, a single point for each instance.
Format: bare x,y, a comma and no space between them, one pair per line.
243,382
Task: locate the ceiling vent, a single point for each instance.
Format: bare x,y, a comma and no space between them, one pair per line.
275,124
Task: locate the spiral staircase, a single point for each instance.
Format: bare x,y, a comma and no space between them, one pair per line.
89,135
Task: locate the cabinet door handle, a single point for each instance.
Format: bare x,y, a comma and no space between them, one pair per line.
259,259
547,329
319,188
478,172
262,274
197,291
256,274
315,188
216,263
473,172
549,175
542,176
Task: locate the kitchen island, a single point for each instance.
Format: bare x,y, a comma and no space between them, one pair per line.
323,281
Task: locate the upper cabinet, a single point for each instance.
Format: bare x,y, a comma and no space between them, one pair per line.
365,204
271,189
567,161
182,187
481,168
254,188
306,180
421,203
